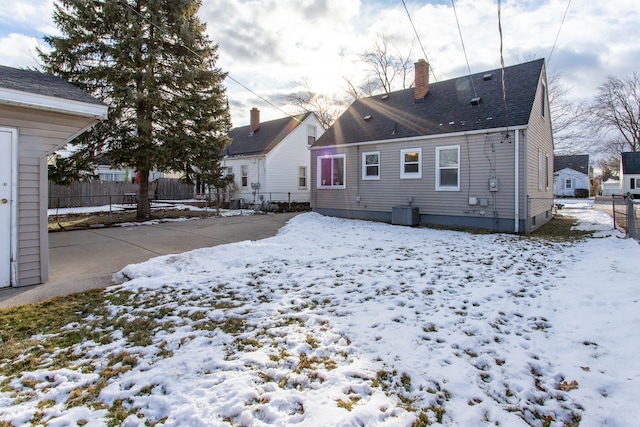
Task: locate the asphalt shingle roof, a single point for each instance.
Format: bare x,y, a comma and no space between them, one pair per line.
579,162
445,109
39,83
263,140
631,162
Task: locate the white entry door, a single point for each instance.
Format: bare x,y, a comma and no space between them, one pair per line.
6,177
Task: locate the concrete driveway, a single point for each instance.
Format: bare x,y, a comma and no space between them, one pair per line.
87,259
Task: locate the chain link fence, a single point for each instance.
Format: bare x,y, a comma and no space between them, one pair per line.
624,210
619,212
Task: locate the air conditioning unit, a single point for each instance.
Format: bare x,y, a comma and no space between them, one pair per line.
405,215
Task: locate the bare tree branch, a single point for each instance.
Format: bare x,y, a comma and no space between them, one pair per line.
615,113
610,167
326,108
387,65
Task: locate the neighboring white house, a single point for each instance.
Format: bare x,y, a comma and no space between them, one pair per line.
106,172
630,173
610,187
39,113
570,173
270,161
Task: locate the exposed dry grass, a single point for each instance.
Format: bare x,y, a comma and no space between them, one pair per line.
97,219
560,228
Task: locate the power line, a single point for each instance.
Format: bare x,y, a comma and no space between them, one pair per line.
504,89
198,55
419,42
475,94
558,34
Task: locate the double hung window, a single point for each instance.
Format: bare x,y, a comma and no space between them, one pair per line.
371,165
448,168
331,171
244,169
302,177
410,163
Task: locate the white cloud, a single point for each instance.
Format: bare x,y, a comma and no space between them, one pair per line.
269,44
18,51
30,16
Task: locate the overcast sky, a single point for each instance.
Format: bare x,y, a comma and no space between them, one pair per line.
267,45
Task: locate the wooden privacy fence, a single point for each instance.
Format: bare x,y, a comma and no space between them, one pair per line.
100,193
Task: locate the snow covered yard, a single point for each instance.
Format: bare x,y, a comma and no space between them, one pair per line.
348,323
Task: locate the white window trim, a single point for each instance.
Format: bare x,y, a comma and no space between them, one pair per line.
570,181
364,166
244,168
411,175
306,178
539,169
311,133
543,106
319,172
441,187
546,172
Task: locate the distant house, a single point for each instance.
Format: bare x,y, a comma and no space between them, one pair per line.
458,152
39,113
630,173
571,173
270,160
107,172
610,187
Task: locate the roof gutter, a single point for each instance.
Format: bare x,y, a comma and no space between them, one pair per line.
61,105
427,137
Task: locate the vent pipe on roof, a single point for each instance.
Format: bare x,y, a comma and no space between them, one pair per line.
255,119
421,79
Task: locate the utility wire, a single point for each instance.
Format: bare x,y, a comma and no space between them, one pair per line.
504,89
558,34
123,3
475,94
419,42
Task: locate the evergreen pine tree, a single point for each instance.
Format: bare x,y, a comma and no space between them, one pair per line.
153,64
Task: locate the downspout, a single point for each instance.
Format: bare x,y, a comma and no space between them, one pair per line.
14,267
516,225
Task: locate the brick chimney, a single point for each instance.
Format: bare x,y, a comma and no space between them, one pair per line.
421,79
255,120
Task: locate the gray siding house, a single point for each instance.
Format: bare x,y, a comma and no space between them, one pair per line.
39,113
458,153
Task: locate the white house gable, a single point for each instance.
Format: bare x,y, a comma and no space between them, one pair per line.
270,161
567,181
